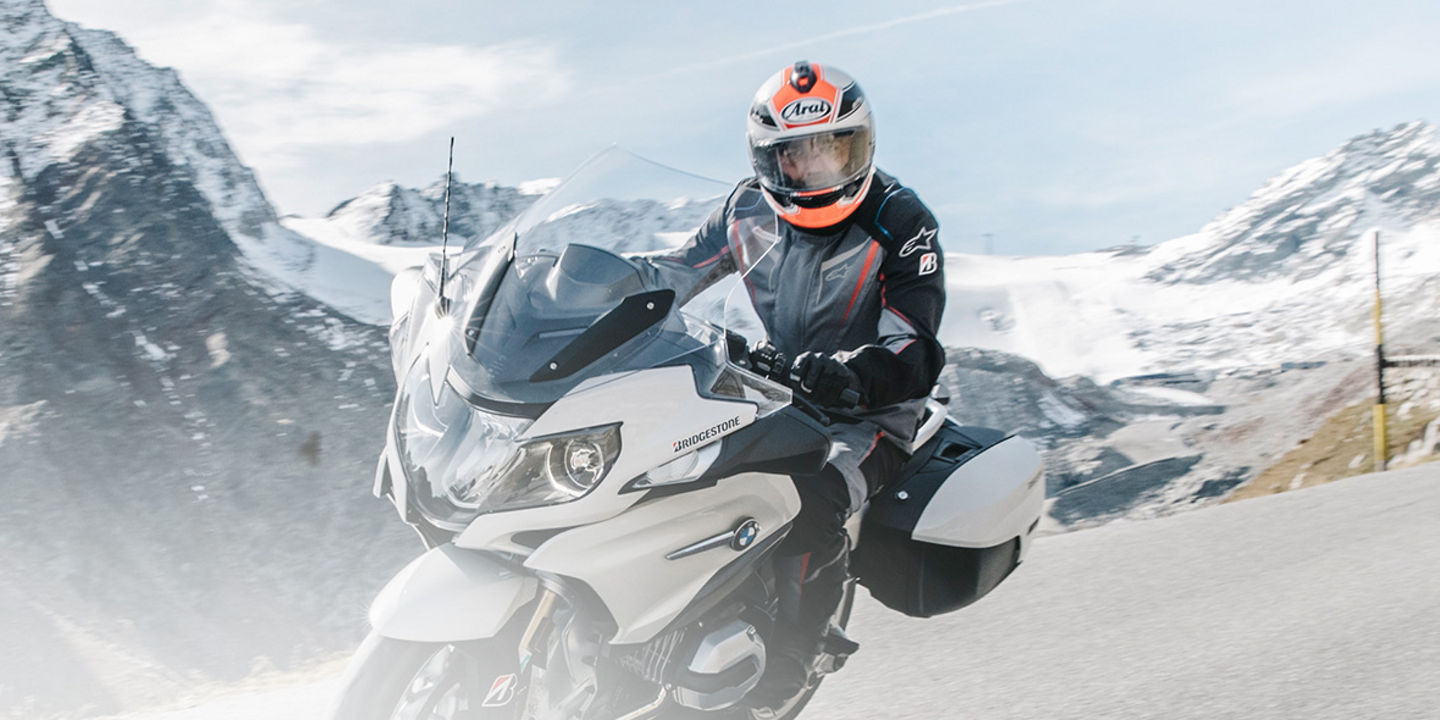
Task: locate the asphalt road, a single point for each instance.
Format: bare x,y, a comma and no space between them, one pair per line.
1316,604
1321,603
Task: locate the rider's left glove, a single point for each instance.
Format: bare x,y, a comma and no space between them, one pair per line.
825,379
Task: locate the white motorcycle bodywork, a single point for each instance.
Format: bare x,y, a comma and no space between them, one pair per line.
618,547
668,526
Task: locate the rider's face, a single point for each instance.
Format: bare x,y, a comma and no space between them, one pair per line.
807,161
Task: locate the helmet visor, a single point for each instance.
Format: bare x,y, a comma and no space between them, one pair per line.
812,163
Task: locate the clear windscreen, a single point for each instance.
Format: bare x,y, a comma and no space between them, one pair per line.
558,297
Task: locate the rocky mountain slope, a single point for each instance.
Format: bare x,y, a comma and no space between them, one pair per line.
389,214
1305,221
185,439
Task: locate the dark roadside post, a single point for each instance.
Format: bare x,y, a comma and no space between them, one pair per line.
1381,362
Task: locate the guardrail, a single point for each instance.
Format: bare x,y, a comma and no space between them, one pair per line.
1413,361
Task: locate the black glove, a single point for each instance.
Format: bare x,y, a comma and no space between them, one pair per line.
826,380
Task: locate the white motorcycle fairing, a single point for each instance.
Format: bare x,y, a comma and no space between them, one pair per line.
450,595
637,561
655,409
628,551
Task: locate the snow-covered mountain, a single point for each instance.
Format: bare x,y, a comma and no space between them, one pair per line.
1304,221
185,438
67,88
407,222
1220,350
389,214
1287,276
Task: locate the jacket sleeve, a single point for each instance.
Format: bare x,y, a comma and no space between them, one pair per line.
906,359
697,264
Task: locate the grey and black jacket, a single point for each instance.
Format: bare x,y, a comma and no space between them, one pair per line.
871,290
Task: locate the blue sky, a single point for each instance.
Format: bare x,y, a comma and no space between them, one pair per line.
1054,126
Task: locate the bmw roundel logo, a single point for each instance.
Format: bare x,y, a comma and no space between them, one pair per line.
745,534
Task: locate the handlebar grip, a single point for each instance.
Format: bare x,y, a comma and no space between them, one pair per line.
848,400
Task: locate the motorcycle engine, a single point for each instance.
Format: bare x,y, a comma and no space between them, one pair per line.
709,668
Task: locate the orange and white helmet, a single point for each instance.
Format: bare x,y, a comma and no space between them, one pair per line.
812,144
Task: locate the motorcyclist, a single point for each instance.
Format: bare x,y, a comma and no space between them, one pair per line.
844,268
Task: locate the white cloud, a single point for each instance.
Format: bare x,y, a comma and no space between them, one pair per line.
279,87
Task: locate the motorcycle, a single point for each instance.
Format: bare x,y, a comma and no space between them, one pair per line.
601,477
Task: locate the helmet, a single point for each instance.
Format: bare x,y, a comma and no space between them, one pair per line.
812,144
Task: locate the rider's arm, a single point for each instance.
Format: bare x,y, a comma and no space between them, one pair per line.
696,265
906,358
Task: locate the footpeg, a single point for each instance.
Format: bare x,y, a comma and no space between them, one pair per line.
839,644
835,649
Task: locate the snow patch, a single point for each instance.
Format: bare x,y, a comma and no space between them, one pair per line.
1172,396
155,353
538,187
17,419
1059,412
94,120
219,348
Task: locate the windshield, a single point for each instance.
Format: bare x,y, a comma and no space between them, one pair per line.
561,297
557,297
616,200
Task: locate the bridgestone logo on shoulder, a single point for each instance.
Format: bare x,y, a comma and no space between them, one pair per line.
704,435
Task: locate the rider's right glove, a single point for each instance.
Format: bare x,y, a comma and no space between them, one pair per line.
826,380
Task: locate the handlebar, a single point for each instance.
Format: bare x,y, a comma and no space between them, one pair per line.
767,361
849,399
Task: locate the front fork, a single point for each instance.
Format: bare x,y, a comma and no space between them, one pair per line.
537,657
557,657
543,610
541,652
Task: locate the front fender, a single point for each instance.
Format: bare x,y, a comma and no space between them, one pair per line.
450,595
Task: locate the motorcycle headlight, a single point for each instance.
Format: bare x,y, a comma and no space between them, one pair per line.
546,471
461,461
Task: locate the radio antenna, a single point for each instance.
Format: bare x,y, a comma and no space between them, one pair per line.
445,225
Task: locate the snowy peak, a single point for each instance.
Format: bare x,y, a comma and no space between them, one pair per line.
1285,277
68,86
389,214
1310,217
54,101
68,90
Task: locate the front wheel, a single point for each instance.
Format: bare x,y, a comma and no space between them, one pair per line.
391,679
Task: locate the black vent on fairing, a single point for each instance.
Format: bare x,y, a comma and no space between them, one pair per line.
535,538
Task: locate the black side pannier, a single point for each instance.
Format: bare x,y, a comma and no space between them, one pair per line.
923,579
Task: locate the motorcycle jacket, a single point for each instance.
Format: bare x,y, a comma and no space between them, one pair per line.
870,290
